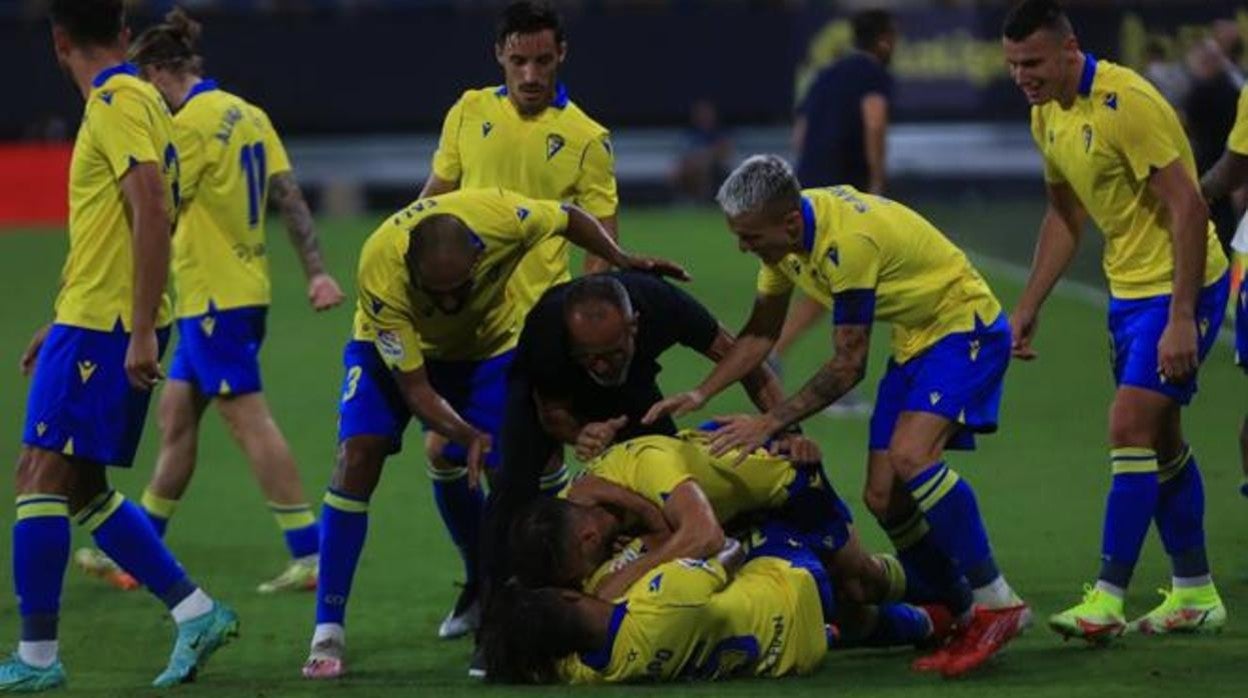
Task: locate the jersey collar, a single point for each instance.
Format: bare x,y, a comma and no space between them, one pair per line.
1089,72
601,657
559,102
205,85
808,225
119,69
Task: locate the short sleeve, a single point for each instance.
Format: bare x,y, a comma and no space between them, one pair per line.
278,160
674,316
1143,133
395,336
853,265
773,282
447,165
1237,142
537,219
122,123
1052,175
595,189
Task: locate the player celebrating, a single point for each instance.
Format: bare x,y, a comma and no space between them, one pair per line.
95,366
222,293
526,136
1114,148
1228,173
881,261
434,335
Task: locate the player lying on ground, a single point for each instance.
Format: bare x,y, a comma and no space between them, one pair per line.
684,619
435,332
872,259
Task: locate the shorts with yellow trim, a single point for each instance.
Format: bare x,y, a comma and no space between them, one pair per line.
219,352
80,402
961,377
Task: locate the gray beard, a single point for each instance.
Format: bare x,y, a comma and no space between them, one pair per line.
618,381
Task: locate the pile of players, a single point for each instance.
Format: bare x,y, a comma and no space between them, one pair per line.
702,554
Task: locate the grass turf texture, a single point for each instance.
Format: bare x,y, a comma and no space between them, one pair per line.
1041,483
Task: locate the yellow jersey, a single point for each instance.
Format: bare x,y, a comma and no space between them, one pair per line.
559,154
403,321
1118,131
686,620
229,150
1237,142
653,466
870,258
126,122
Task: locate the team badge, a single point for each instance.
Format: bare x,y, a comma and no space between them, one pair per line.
554,143
1087,138
486,127
390,346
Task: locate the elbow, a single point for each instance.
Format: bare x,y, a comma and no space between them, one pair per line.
709,541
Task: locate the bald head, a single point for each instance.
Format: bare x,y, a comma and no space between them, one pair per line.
441,255
601,327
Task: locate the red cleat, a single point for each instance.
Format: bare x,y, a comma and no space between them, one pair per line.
989,630
942,624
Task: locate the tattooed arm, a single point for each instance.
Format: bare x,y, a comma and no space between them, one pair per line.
323,291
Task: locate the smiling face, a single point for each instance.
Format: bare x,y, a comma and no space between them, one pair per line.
530,63
1044,65
767,233
603,341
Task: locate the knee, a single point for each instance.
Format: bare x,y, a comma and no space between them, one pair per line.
41,472
358,467
177,422
908,463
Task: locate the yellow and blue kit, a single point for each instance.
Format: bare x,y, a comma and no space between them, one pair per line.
1237,143
869,258
80,402
1104,147
799,494
229,150
397,327
686,619
560,154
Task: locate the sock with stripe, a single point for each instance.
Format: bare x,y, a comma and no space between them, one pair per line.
158,509
1129,510
299,528
462,510
1180,518
125,534
552,483
344,525
40,555
925,571
952,513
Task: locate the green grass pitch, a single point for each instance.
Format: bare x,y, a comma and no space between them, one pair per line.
1041,483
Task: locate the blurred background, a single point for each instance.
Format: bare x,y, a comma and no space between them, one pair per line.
359,87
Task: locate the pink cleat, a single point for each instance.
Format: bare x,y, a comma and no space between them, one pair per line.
323,668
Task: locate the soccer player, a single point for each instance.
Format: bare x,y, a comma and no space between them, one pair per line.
229,155
878,260
529,137
434,336
95,366
1228,173
686,619
1114,149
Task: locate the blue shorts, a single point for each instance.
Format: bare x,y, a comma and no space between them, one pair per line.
815,512
779,540
372,404
80,403
219,352
1135,328
959,377
1241,326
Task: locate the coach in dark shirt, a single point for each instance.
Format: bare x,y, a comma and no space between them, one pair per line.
841,123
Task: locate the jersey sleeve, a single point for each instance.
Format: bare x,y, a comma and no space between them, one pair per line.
1052,175
773,282
658,471
391,318
278,160
691,323
1237,142
193,156
595,189
123,127
1142,133
853,265
447,165
536,219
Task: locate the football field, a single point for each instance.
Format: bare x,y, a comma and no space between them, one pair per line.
1041,483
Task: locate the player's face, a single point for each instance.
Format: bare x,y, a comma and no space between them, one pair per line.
603,343
767,235
530,66
1041,64
448,285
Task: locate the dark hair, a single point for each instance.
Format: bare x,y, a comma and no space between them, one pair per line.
527,17
541,542
170,45
526,633
438,234
1030,16
597,288
869,26
89,22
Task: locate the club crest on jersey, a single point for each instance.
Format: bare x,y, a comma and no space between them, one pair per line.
486,127
1087,138
554,143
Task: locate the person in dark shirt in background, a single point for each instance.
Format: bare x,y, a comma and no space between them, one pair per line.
839,137
1209,111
